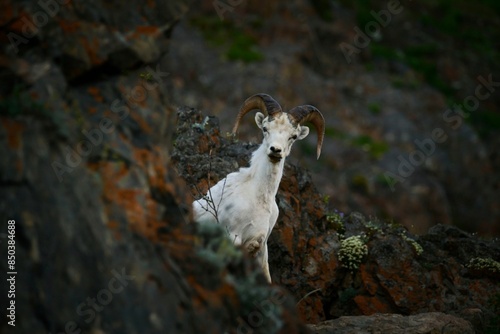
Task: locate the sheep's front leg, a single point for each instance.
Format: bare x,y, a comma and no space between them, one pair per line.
265,263
257,247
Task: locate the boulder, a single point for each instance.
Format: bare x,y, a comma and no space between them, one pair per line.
429,323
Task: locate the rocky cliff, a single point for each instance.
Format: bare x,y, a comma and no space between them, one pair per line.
103,242
342,265
97,175
407,138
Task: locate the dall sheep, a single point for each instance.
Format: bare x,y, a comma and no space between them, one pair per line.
246,198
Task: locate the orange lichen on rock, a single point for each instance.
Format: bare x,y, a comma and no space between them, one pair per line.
311,310
142,31
286,237
156,164
148,30
402,294
15,132
69,26
369,282
92,46
94,91
372,304
214,298
139,209
19,24
6,14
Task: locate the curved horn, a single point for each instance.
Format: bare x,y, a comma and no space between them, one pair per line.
307,113
262,102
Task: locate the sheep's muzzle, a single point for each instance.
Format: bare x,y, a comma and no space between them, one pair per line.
275,157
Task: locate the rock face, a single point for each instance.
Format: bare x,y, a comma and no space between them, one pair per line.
336,265
102,232
104,240
381,103
432,323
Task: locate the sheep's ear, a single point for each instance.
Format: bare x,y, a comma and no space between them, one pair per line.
259,118
304,131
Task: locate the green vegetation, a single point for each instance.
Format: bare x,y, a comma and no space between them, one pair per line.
217,248
326,199
335,221
352,252
373,229
148,76
487,264
420,58
19,103
331,132
375,148
260,302
236,43
416,246
374,108
360,183
218,251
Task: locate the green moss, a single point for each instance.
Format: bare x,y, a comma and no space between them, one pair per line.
335,222
326,199
383,180
148,76
421,58
334,133
236,43
416,246
244,48
374,108
373,229
375,148
360,183
486,264
352,252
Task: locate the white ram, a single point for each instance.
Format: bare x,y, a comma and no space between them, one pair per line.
244,202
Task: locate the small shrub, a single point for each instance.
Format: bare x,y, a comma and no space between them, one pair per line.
335,221
415,244
352,252
486,264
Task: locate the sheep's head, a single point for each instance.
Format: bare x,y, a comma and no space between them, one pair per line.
282,129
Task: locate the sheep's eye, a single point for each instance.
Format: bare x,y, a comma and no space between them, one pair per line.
293,137
264,129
